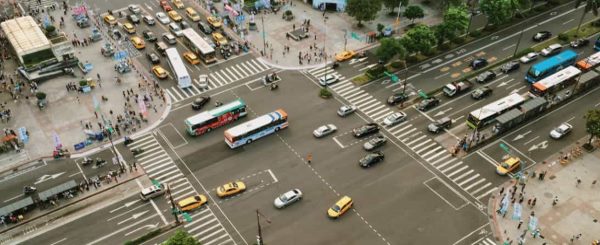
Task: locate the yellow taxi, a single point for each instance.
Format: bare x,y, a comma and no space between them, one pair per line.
160,72
138,42
128,27
214,22
175,16
231,188
219,38
192,202
340,207
178,4
508,165
345,55
111,20
192,14
191,57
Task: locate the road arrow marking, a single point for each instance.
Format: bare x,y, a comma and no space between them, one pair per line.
148,227
46,177
367,67
126,205
134,216
520,136
501,84
442,112
541,145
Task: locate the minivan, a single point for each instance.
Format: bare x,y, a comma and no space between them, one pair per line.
152,192
161,47
192,14
175,29
552,49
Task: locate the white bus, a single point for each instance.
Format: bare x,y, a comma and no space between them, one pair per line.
199,46
179,71
256,128
481,117
555,82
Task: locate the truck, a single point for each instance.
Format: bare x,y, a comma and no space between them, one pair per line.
454,88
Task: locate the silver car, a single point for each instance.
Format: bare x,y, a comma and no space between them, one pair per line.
288,198
328,79
375,142
529,57
163,18
134,8
324,130
346,110
561,131
394,118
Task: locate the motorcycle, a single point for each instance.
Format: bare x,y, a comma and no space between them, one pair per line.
29,189
218,103
127,141
137,151
100,162
87,161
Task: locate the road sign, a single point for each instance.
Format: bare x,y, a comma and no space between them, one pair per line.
155,182
423,94
394,79
355,36
187,217
504,147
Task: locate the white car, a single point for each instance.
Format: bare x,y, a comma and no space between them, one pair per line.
529,57
324,130
288,198
561,131
552,49
346,110
134,8
394,118
175,29
203,81
329,79
163,18
148,19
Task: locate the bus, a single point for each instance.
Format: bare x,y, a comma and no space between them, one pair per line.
199,46
484,116
256,128
179,71
555,82
208,120
589,62
551,65
597,44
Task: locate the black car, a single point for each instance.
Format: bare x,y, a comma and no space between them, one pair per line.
184,25
479,63
397,98
481,92
510,66
200,102
439,125
428,103
367,129
116,34
149,35
486,76
541,36
579,43
371,159
133,18
153,57
205,28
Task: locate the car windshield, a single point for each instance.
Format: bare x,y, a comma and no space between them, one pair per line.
283,198
505,165
336,208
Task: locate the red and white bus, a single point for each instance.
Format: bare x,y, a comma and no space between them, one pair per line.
555,82
217,117
590,62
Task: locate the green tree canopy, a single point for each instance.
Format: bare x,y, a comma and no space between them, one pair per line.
363,10
413,12
181,237
497,11
592,124
590,6
419,39
456,20
393,4
388,48
444,4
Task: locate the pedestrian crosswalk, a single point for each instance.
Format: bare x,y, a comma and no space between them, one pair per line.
158,165
219,78
425,147
486,241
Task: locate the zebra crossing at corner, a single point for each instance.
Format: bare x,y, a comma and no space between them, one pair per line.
219,78
158,165
486,241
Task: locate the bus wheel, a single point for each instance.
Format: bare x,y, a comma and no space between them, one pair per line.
276,129
248,141
208,130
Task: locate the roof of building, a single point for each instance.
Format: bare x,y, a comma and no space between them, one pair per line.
25,35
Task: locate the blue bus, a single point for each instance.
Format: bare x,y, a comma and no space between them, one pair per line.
551,65
597,44
256,128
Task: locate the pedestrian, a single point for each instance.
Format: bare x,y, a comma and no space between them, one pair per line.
522,187
293,27
96,114
533,202
529,202
502,190
309,158
519,225
578,182
594,183
555,201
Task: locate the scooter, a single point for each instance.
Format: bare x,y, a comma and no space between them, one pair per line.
29,189
87,161
127,141
100,162
137,151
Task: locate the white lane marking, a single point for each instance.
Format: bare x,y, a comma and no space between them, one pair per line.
162,217
566,22
531,140
272,176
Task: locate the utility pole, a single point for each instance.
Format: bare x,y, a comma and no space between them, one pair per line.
398,19
173,205
259,240
520,36
345,39
404,82
264,34
325,45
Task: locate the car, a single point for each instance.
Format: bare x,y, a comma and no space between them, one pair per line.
116,34
149,35
160,72
512,65
198,103
529,57
169,38
203,81
153,58
219,38
371,159
205,28
133,18
485,77
134,8
109,19
364,130
152,192
394,118
329,79
397,98
149,20
288,198
428,103
479,63
551,50
560,131
165,6
230,189
178,4
481,92
137,42
163,18
375,142
184,25
439,125
541,36
345,55
346,110
324,130
214,22
508,165
175,29
192,14
191,57
191,203
128,27
340,207
174,16
579,43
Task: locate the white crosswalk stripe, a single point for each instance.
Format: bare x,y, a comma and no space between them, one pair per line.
218,78
158,165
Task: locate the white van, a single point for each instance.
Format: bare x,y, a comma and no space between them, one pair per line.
175,29
152,192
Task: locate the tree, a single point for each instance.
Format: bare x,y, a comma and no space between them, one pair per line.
590,5
444,4
497,11
388,48
592,124
363,10
392,4
419,39
181,237
413,12
456,21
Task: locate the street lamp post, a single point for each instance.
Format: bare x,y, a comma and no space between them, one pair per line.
259,240
520,37
262,21
173,204
114,150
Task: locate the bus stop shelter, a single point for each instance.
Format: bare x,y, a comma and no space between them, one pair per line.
45,195
16,207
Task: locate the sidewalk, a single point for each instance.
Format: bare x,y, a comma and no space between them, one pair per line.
574,218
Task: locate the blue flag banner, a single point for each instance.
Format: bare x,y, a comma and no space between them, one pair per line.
532,223
517,211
